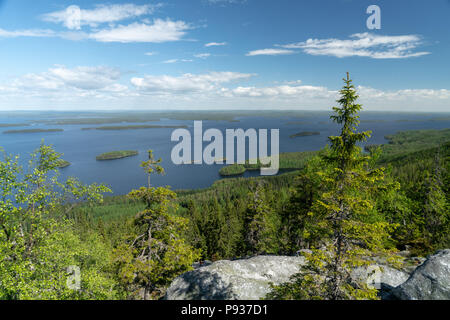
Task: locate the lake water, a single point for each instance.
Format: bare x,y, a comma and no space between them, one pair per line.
80,147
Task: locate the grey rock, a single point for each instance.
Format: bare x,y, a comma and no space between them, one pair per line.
430,281
245,279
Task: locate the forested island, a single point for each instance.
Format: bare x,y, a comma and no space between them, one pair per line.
113,155
342,207
32,131
135,127
60,163
10,125
304,134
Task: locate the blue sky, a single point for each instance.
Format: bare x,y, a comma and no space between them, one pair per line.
222,54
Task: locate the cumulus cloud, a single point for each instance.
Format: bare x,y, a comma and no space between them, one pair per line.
100,86
215,44
269,52
186,83
60,79
404,94
306,96
363,45
73,17
159,31
284,91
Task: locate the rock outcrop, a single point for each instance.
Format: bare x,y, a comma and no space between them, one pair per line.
245,279
248,279
430,281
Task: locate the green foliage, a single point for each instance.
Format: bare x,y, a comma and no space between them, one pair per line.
262,223
157,252
344,214
288,160
232,170
38,243
404,142
299,228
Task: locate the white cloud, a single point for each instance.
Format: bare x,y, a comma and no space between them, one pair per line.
186,83
171,61
73,17
298,96
283,92
177,60
269,52
215,44
26,33
150,53
159,31
60,79
363,45
103,87
404,94
202,55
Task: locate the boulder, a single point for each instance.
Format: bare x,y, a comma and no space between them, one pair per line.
244,279
249,279
430,281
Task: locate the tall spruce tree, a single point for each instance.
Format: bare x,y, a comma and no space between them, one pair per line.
353,232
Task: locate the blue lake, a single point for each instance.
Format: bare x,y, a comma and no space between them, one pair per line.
80,147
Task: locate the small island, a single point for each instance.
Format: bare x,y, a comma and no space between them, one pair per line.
60,163
304,134
9,125
32,131
116,155
232,170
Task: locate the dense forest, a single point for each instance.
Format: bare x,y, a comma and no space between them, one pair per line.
344,203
